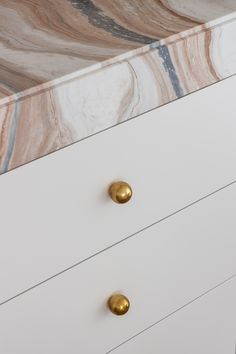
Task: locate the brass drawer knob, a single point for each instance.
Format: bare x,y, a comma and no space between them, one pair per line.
118,304
120,192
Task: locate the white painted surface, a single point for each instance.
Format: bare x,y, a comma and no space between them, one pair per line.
208,326
159,270
55,211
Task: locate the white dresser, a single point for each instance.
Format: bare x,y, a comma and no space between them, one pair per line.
67,246
117,238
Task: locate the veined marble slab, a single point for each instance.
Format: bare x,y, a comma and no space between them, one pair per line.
72,68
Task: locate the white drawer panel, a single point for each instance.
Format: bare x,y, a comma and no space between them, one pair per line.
159,270
208,326
55,212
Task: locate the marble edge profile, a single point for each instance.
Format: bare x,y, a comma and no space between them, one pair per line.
117,59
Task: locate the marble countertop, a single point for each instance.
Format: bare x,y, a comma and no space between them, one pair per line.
72,68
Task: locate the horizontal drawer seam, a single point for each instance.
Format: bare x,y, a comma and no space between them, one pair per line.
117,243
172,313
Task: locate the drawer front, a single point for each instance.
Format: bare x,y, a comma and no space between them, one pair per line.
56,211
160,270
208,326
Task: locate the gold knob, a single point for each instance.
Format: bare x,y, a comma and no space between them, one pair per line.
120,192
118,304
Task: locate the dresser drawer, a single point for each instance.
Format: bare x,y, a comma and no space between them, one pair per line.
159,270
208,326
56,212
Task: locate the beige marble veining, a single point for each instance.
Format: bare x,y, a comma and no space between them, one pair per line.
69,69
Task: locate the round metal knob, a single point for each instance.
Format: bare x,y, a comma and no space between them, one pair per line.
118,304
120,192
